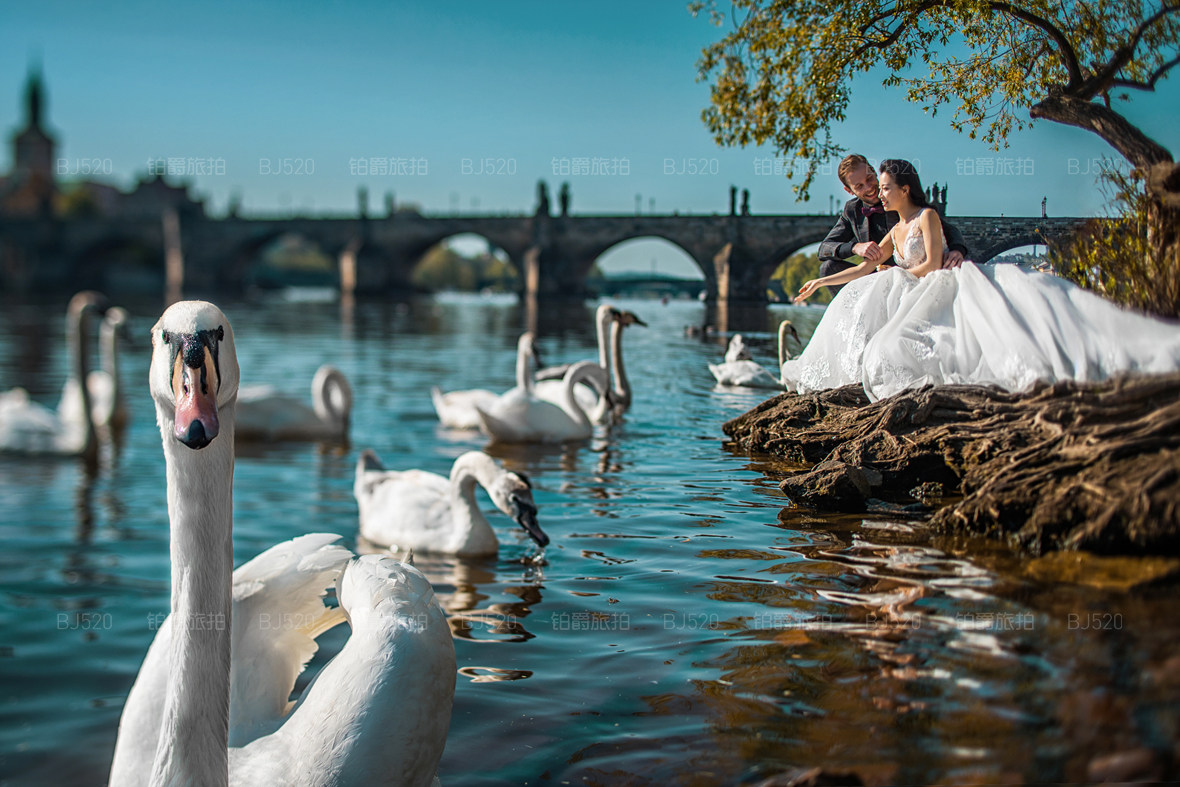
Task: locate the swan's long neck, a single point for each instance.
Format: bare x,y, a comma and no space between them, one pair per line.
193,739
569,402
473,532
109,346
331,397
524,366
603,322
782,343
622,386
76,335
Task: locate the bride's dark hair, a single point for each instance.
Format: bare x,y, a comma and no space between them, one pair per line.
904,174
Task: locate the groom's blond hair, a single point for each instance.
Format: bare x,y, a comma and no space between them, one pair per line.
850,163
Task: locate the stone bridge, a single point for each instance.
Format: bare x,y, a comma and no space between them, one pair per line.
736,253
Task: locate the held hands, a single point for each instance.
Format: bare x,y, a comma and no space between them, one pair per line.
870,251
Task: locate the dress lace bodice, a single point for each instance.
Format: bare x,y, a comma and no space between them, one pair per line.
911,252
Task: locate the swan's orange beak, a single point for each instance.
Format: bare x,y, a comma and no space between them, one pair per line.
195,390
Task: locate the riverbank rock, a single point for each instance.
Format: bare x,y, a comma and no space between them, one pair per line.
1092,466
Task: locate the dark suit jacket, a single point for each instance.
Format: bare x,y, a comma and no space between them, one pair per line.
854,227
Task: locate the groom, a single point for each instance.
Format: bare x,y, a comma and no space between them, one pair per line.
864,223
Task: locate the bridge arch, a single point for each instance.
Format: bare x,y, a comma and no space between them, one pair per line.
987,253
579,260
278,256
648,264
464,260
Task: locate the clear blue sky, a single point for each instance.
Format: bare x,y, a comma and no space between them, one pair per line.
529,85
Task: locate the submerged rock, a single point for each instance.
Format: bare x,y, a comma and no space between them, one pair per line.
1092,466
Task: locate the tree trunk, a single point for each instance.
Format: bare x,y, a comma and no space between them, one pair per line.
1141,150
1162,184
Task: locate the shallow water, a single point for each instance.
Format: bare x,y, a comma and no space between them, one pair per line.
683,627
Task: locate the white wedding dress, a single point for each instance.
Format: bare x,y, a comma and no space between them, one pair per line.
992,324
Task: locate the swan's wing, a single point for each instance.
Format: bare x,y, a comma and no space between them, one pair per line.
747,374
278,611
554,391
31,427
528,420
456,409
281,587
143,714
406,509
377,713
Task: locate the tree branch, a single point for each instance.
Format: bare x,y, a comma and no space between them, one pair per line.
1061,106
1067,54
1149,84
896,34
1121,56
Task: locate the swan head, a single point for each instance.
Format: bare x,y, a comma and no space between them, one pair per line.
512,493
527,345
194,371
628,318
116,320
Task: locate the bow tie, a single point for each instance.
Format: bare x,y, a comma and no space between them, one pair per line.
869,210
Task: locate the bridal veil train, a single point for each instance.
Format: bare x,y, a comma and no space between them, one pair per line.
991,324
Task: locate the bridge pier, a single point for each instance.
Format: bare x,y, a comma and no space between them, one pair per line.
737,279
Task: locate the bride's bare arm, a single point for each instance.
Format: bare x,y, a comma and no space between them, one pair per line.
843,277
932,238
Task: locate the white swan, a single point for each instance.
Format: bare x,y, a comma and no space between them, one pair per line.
457,409
414,509
266,414
784,328
751,374
737,350
622,386
210,705
610,322
519,416
28,427
107,408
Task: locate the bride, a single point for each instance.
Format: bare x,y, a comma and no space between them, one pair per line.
919,324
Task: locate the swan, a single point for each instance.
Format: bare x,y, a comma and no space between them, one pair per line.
266,414
29,427
750,374
414,509
784,328
107,408
210,705
609,321
519,416
622,386
737,350
457,409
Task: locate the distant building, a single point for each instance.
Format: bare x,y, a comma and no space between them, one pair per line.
152,194
31,190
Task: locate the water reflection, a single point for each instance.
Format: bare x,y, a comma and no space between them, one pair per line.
681,628
463,585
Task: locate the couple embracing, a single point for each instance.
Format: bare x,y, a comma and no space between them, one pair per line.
937,318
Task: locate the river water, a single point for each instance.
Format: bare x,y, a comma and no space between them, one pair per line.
683,627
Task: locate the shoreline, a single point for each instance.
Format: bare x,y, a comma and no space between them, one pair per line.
1067,466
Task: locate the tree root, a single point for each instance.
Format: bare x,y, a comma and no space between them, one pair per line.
1092,466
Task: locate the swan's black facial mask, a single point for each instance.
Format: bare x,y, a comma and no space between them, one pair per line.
191,348
194,360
